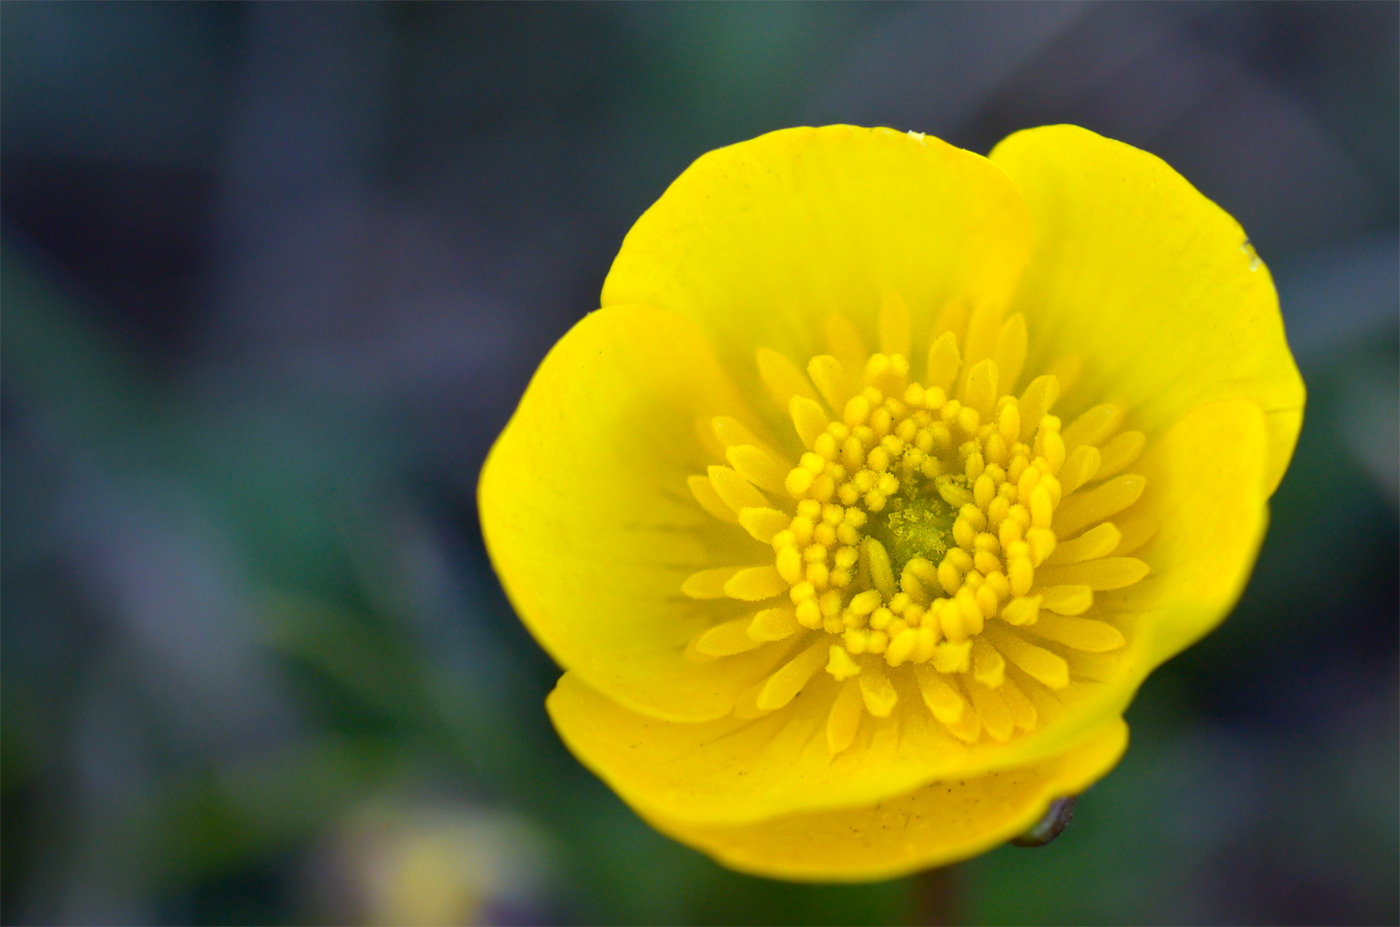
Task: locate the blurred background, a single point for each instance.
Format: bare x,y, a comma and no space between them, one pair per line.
274,276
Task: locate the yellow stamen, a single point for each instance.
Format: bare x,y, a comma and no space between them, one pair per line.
736,492
1011,350
991,708
708,584
844,720
940,526
894,325
757,466
1023,713
1099,541
1080,633
783,686
782,378
754,584
773,624
1099,575
878,692
704,492
829,376
725,639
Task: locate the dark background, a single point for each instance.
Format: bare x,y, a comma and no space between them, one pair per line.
274,277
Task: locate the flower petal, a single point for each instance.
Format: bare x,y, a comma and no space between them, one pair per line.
740,770
590,523
762,241
941,823
1204,488
1213,513
1155,287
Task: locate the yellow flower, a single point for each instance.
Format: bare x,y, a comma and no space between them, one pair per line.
881,480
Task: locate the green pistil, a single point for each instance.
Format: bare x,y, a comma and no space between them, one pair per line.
914,524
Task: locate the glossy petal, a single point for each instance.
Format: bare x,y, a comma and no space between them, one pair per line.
1205,488
1152,285
625,519
733,770
940,823
761,242
591,526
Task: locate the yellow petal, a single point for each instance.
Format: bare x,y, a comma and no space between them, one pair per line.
740,770
1155,286
1207,497
590,524
1209,501
940,823
762,241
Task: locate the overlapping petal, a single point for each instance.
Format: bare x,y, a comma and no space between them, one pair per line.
940,823
760,242
738,771
1134,288
1208,494
587,518
1152,285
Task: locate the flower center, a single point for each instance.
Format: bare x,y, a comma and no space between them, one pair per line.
918,516
914,525
944,523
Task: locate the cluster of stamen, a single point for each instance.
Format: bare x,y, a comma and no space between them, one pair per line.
946,524
899,440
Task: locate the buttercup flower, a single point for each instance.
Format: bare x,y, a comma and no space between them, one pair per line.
881,480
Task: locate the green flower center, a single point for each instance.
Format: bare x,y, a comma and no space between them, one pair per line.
914,523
